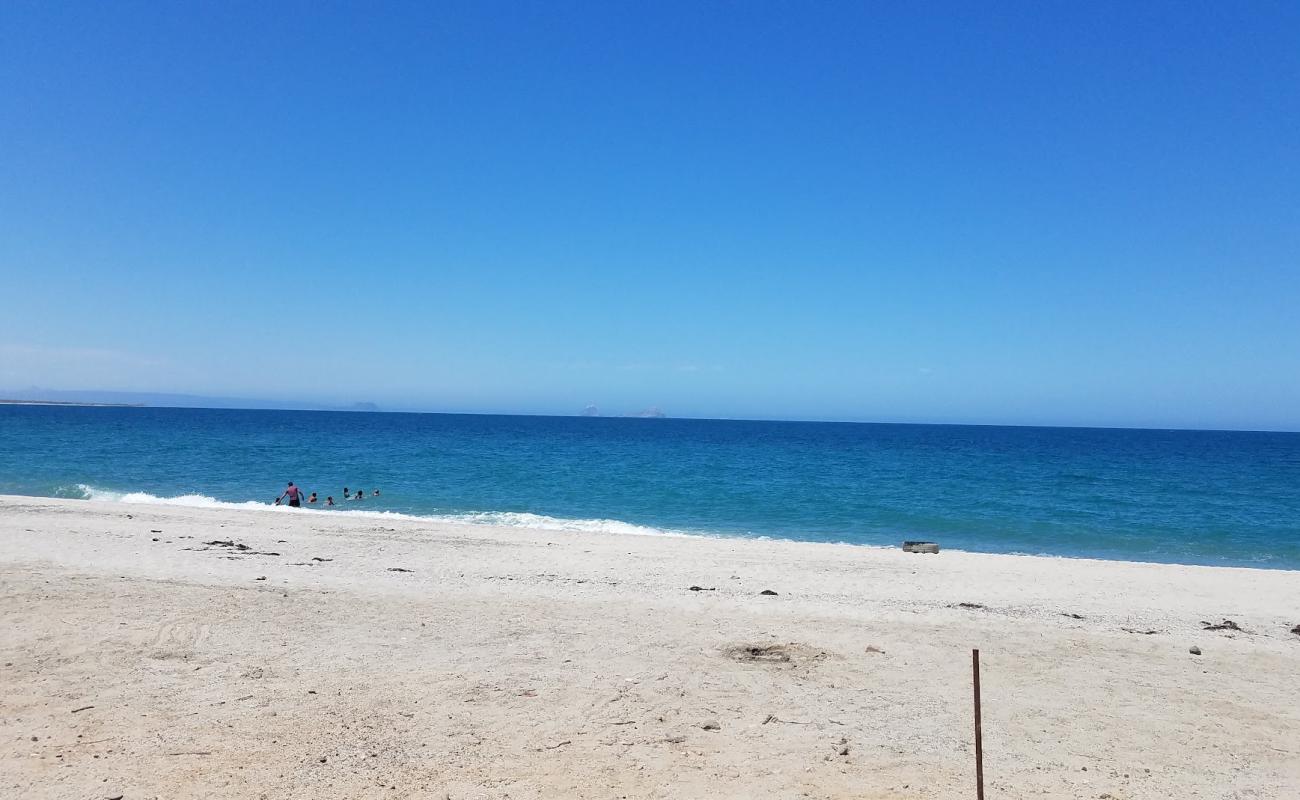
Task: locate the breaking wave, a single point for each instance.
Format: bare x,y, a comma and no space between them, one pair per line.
83,492
512,519
496,519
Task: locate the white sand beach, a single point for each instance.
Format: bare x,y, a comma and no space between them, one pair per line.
362,657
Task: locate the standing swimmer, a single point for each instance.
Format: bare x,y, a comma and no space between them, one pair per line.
294,494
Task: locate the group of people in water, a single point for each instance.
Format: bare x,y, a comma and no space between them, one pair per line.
295,500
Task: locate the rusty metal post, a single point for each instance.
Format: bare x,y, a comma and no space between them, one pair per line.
979,728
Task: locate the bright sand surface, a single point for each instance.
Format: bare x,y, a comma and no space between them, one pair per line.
140,662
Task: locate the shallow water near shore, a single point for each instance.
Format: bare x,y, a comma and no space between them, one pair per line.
1197,497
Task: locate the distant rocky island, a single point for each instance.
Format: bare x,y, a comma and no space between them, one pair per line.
653,412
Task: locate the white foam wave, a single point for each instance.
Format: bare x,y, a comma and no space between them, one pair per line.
511,519
498,519
190,500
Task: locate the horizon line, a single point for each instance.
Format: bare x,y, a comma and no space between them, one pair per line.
288,408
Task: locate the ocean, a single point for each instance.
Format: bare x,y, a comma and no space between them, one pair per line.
1192,497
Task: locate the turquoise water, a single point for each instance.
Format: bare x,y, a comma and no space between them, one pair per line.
1177,496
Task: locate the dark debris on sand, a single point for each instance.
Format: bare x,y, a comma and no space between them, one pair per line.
775,654
227,543
761,653
1226,625
238,547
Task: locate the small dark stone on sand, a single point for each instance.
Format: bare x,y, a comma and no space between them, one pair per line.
260,578
322,759
970,605
768,592
1194,650
400,569
702,589
155,539
318,558
153,531
1296,630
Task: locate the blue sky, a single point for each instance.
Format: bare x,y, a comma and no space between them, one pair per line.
1039,213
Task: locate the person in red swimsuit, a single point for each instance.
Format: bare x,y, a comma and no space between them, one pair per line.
294,494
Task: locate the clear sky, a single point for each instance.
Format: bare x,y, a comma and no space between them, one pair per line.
1040,213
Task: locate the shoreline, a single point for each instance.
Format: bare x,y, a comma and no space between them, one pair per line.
352,655
542,522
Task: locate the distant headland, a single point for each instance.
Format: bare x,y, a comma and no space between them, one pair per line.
11,402
116,399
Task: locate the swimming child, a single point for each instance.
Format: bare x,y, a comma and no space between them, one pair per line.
329,501
311,499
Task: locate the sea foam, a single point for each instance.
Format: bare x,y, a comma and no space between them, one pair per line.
495,519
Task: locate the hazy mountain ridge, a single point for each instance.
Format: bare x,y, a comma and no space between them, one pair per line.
168,400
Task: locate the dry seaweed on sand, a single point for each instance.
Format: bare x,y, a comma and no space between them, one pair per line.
1226,625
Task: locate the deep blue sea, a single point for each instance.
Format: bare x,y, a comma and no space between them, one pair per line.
1194,497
